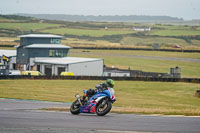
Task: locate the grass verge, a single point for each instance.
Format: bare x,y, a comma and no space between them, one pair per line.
132,96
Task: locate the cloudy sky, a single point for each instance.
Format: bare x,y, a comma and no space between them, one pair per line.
186,9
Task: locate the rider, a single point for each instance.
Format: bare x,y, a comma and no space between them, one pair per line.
100,87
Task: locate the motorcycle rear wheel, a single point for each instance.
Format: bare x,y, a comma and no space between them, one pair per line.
75,108
103,107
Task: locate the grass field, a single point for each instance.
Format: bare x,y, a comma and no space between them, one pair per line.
9,41
87,32
94,33
84,43
176,32
172,27
132,96
7,20
163,41
27,26
146,53
113,58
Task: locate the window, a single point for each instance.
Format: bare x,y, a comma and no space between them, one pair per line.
55,41
57,53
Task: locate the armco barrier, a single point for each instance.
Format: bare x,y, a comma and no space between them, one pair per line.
189,80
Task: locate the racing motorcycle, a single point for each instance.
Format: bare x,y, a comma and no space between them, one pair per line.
100,103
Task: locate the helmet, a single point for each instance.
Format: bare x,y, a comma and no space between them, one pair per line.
90,92
110,83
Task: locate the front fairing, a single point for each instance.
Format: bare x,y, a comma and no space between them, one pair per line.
110,93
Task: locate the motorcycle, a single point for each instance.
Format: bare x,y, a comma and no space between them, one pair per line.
100,103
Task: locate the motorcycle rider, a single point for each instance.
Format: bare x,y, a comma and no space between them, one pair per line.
100,87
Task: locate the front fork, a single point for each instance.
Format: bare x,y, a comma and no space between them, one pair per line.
104,102
79,99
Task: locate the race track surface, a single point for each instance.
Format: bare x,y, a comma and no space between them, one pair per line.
18,116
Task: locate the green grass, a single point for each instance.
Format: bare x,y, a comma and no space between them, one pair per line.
162,41
27,26
132,96
173,27
176,32
7,20
188,69
113,58
87,32
141,52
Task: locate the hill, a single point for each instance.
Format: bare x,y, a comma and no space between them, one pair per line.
108,18
104,34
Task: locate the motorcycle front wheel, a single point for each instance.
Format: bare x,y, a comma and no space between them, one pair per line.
75,108
103,107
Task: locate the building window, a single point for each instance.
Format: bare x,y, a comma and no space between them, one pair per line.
57,53
14,66
55,41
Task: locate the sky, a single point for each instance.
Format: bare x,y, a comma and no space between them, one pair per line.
186,9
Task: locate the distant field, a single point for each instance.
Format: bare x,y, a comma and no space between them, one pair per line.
9,41
27,26
141,52
7,20
173,27
95,34
195,42
176,32
163,41
132,96
81,42
87,32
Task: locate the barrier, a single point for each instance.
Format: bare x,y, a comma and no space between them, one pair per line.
144,49
189,80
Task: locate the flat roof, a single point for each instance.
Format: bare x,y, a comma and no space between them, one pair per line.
40,36
64,60
47,46
8,53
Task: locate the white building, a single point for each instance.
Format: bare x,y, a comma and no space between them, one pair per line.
79,66
141,28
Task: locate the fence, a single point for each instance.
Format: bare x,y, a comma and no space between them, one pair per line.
144,49
189,80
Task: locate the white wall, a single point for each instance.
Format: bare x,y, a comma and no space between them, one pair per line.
92,68
11,62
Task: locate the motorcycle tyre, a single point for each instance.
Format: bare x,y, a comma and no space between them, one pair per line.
106,110
72,110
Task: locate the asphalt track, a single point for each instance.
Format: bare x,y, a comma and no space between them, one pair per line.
18,116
